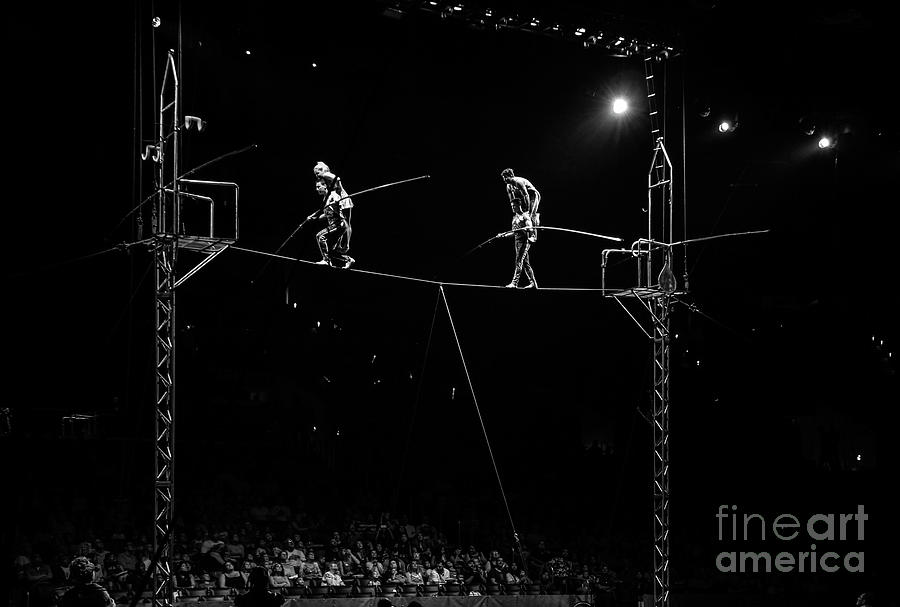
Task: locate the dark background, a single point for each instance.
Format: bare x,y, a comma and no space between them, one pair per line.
313,387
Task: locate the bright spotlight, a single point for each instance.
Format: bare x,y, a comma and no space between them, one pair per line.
825,142
725,126
620,106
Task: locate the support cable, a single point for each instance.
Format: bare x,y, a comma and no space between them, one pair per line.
412,421
65,262
684,169
483,428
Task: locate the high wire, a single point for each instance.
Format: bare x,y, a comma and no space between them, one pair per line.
412,278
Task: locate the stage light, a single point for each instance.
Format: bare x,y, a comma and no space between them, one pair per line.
825,142
315,65
807,126
156,22
620,106
725,126
247,52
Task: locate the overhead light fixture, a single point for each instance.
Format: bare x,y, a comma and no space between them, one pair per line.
728,125
825,143
620,106
807,126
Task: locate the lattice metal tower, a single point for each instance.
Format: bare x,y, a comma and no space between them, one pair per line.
661,285
169,236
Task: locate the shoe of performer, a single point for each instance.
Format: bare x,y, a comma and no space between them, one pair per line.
350,261
322,262
531,285
511,285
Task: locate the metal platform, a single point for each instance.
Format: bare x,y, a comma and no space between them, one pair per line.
204,244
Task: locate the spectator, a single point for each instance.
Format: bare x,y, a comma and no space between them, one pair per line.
127,558
234,549
278,579
259,594
393,575
414,574
231,578
134,579
39,577
332,577
473,577
311,571
294,549
84,592
211,549
183,577
349,565
246,568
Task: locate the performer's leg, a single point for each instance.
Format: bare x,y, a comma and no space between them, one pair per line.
526,267
345,246
521,243
341,244
345,213
322,240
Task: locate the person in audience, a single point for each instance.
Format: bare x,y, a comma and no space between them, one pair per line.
183,576
127,559
113,574
204,580
311,572
374,572
523,577
359,551
394,575
349,564
84,591
231,578
374,562
414,574
332,577
294,550
473,577
134,579
211,549
234,548
277,578
442,572
40,577
287,563
246,568
259,594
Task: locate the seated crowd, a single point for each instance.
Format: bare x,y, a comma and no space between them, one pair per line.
219,561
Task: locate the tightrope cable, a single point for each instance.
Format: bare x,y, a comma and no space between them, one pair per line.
483,428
